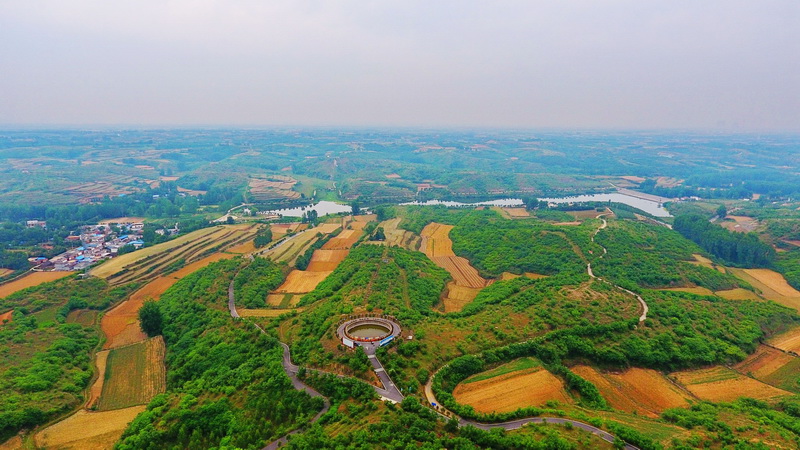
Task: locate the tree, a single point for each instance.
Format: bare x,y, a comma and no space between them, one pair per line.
230,220
150,318
722,211
356,208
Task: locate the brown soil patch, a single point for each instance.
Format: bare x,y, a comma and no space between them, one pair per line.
586,214
14,443
508,276
6,317
97,387
121,324
509,392
163,178
764,362
458,296
343,241
789,341
301,282
773,286
4,272
30,280
720,384
516,213
85,429
740,224
738,294
642,390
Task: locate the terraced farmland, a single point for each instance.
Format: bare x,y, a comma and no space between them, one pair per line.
720,384
134,375
148,263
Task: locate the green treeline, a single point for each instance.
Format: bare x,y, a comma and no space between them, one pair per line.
741,249
225,383
256,280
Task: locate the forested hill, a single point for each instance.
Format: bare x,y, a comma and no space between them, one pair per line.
741,249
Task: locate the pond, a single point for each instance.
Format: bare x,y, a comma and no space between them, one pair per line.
368,331
322,208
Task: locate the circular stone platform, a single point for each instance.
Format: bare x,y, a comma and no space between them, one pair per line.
374,330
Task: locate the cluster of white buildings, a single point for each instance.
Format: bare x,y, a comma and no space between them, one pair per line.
98,242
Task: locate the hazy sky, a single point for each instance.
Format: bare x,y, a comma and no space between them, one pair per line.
707,64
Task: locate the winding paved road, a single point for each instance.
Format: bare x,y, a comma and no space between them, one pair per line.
392,393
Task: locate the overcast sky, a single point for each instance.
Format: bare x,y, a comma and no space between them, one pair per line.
697,64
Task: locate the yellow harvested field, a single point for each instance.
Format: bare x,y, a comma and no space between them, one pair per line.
197,265
720,384
295,245
458,296
642,390
30,280
247,247
326,260
301,282
343,240
438,247
738,294
283,300
692,290
134,375
4,272
773,286
97,387
789,341
328,228
265,312
114,265
509,392
88,429
15,443
764,362
436,240
513,213
462,272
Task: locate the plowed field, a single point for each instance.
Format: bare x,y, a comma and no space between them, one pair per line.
509,392
458,296
301,282
343,241
85,429
764,362
789,341
773,286
4,272
396,237
642,390
134,375
326,260
436,244
738,294
30,280
720,384
121,324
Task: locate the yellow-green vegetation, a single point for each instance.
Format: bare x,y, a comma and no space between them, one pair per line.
513,366
134,375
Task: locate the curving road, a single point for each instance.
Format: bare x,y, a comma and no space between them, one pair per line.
390,392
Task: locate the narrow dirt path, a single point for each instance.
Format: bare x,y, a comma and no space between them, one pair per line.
645,308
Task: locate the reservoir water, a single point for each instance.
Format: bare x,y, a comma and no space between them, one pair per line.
322,208
368,331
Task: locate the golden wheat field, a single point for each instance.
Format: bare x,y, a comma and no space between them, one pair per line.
642,390
88,429
511,391
721,384
134,374
30,280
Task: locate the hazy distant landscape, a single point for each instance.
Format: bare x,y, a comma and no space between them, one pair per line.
396,225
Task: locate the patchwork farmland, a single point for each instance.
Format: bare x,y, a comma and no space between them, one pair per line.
134,375
721,384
